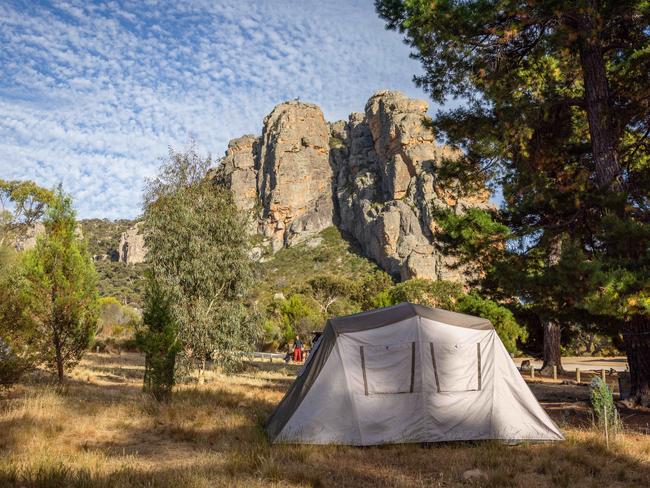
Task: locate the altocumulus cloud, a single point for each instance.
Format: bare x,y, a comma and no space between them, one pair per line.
93,94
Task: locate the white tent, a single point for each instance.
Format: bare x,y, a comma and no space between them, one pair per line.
409,373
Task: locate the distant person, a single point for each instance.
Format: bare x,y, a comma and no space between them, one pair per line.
297,350
289,355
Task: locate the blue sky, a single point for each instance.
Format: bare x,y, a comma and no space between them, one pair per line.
93,93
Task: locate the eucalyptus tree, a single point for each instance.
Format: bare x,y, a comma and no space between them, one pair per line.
198,255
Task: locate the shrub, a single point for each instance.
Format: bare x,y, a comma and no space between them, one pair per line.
158,340
12,366
602,403
504,322
116,319
300,315
437,294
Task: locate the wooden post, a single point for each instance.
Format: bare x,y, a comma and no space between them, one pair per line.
606,422
603,375
554,372
532,370
577,375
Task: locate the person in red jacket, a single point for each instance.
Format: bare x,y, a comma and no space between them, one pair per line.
297,350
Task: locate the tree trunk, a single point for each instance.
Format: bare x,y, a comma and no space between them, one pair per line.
58,352
201,378
636,336
59,361
601,124
552,352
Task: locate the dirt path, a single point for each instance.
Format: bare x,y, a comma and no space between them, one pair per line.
618,363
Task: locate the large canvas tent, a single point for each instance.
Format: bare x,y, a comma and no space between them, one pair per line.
409,373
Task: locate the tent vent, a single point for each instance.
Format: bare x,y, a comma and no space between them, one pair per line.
435,369
363,367
478,357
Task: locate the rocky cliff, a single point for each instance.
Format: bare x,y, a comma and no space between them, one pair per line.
131,249
285,176
373,176
28,240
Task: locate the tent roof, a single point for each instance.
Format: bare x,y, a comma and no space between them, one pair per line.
389,315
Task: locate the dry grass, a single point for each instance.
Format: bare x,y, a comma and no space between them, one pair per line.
102,431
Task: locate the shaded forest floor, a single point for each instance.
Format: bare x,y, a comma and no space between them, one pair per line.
100,430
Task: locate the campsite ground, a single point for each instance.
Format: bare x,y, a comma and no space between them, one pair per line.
100,430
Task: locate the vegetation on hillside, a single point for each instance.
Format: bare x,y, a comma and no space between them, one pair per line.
103,236
300,287
115,279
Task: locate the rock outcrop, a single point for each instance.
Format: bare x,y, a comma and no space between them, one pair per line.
28,240
131,249
386,186
284,177
295,178
374,176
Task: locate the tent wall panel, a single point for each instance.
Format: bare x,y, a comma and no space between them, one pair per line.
326,415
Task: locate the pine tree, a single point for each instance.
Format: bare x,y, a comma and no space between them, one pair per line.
557,114
22,204
60,286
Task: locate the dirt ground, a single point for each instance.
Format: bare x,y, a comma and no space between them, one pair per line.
101,430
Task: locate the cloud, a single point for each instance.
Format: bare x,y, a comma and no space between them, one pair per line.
93,94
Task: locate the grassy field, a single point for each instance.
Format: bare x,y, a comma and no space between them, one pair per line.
100,430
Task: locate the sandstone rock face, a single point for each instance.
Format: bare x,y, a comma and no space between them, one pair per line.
132,249
240,170
28,241
284,177
372,175
386,188
295,187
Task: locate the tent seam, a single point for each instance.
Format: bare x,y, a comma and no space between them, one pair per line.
494,383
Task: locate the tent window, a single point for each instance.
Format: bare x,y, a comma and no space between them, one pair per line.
388,369
456,367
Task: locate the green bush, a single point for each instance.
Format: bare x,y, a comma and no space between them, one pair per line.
436,294
12,366
602,403
300,315
504,322
157,338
